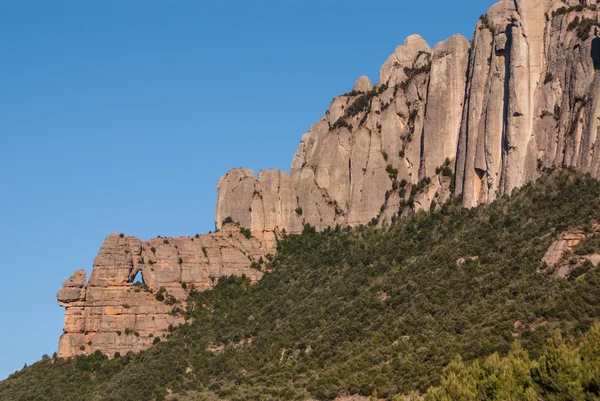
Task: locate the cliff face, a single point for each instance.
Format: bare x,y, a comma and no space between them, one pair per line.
112,314
478,119
532,100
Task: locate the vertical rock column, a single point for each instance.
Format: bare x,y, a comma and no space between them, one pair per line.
445,100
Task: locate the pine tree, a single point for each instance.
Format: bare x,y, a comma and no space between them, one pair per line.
558,373
590,362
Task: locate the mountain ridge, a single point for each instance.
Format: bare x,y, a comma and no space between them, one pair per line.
465,120
522,96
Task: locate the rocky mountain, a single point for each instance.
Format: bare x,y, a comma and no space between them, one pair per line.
113,314
474,120
477,119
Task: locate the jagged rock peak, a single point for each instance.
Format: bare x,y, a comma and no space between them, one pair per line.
363,84
405,56
266,204
476,118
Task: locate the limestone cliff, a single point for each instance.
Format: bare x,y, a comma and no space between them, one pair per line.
112,314
475,119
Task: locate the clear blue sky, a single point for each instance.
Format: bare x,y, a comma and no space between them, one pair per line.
121,116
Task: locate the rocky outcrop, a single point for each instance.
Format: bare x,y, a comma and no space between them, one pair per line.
446,94
113,314
478,119
532,97
570,253
73,288
565,243
262,205
468,119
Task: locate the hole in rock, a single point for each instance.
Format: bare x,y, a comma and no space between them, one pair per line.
139,277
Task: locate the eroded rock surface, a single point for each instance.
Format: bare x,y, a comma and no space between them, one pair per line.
562,258
478,119
112,314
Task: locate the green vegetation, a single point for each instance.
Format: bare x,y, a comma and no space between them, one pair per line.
361,104
353,93
578,8
392,172
412,73
378,312
485,23
562,372
246,232
585,27
341,123
160,294
445,169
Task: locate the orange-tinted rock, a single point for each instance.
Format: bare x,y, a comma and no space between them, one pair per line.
111,314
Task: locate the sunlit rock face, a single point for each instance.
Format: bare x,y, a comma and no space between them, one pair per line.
532,100
477,118
111,314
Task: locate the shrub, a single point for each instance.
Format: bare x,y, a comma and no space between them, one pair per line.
341,123
246,232
392,172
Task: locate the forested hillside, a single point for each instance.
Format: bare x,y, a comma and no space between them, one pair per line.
377,312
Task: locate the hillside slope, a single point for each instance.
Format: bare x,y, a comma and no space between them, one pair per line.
363,311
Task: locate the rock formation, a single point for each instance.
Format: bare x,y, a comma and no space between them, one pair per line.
478,119
112,314
474,119
560,259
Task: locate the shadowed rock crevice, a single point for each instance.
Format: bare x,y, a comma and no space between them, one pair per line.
596,52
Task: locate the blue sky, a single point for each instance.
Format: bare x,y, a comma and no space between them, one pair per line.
122,115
